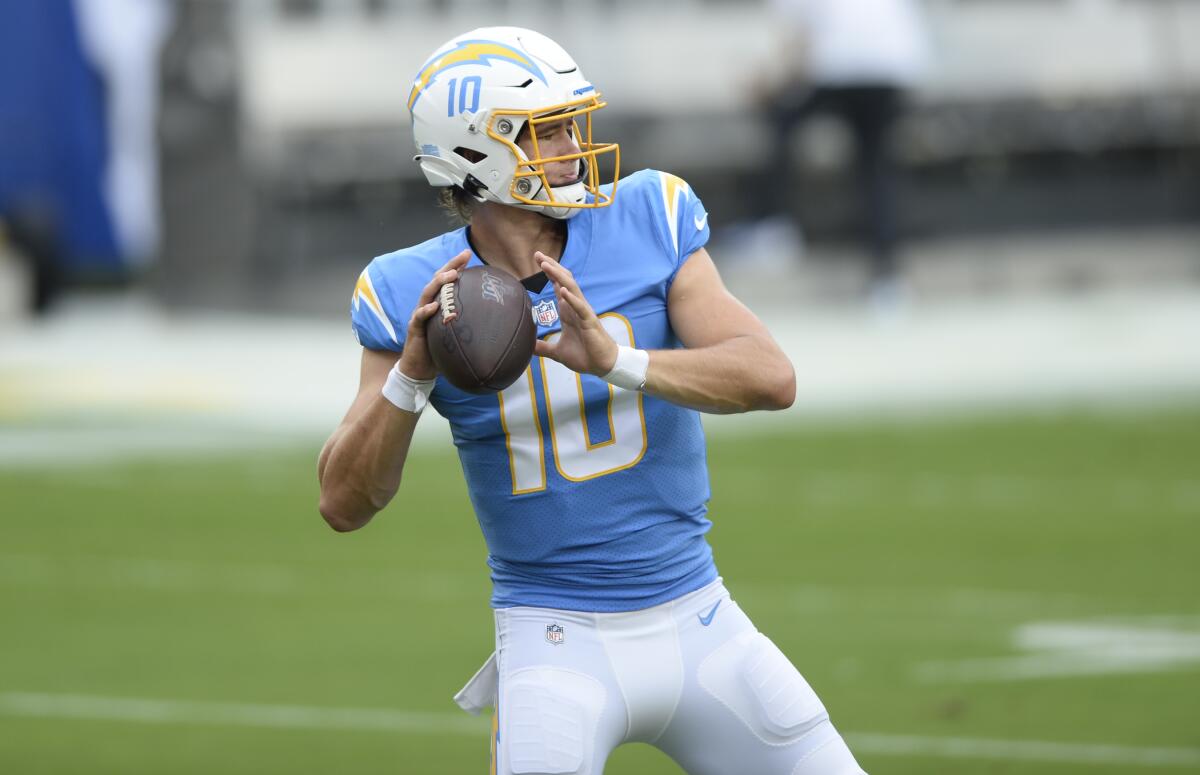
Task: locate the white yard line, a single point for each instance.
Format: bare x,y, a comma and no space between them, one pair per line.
264,579
1021,750
85,707
93,708
54,448
1066,649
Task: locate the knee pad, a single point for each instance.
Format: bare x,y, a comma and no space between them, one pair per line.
548,721
752,678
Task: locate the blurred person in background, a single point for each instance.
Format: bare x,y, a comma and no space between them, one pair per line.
855,60
78,175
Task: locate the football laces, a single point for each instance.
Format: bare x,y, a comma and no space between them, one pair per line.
447,301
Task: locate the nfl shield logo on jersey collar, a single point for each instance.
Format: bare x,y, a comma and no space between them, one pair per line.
545,312
554,634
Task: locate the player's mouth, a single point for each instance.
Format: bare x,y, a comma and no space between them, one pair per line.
571,180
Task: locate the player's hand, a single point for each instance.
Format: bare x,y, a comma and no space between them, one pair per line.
584,346
415,361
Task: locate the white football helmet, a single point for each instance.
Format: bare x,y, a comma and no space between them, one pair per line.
472,98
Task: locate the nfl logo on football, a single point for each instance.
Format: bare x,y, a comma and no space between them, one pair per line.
545,312
554,634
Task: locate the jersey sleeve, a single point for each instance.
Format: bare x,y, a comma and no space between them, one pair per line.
374,322
685,220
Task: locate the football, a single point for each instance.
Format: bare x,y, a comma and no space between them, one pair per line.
482,338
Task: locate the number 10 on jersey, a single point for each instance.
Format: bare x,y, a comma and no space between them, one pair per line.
576,457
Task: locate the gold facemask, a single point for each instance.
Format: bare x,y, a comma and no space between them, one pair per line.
535,167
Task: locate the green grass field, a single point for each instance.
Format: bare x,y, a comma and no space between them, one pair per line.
897,564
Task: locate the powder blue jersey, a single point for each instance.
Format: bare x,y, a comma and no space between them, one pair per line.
590,497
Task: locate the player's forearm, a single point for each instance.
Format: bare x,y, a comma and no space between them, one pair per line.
361,465
738,375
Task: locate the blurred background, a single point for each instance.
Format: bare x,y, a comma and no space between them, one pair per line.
974,225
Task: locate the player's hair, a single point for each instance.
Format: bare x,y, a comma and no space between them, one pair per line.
457,203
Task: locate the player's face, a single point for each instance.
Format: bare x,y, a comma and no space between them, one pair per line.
554,138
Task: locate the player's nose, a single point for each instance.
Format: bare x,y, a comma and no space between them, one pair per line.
562,144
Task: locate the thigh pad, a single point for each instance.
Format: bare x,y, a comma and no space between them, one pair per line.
752,677
548,720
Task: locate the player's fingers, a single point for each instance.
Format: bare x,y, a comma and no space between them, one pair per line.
458,262
566,312
557,272
545,349
576,304
422,313
552,268
574,310
430,291
447,274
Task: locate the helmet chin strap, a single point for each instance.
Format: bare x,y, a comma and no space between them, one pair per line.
573,193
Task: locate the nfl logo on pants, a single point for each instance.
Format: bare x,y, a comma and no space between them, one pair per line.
554,634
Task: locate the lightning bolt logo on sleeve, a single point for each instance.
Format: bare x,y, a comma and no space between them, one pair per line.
364,291
469,52
674,190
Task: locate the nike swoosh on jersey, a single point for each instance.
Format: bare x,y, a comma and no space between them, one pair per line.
707,620
701,222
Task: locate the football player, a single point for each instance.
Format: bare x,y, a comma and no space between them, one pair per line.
588,474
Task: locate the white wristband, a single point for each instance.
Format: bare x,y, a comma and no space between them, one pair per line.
630,369
407,393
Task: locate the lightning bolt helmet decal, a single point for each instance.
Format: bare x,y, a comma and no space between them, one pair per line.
469,52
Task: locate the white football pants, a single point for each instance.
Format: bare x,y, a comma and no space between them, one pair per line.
692,677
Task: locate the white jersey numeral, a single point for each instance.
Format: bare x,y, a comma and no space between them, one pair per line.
523,435
576,457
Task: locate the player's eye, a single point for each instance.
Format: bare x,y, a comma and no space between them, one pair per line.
550,132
